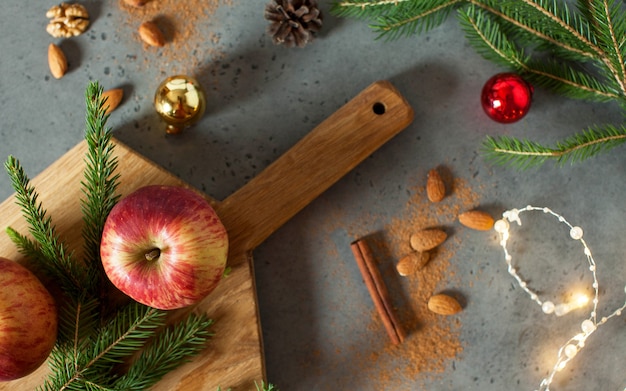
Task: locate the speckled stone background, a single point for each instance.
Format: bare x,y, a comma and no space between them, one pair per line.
262,99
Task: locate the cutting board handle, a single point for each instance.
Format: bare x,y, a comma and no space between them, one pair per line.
316,162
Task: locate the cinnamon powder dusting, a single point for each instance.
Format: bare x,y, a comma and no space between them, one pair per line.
189,29
433,340
432,343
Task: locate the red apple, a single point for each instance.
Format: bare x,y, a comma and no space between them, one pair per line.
164,246
28,321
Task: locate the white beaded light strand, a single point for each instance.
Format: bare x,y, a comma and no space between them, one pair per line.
572,347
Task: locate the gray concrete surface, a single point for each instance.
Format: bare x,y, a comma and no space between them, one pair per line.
317,320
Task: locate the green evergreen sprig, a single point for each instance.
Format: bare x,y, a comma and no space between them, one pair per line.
95,344
580,146
99,186
576,50
171,347
47,247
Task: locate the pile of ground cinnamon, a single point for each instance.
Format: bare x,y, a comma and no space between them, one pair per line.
433,341
188,27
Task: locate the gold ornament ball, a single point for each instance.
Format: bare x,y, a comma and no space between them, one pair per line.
180,101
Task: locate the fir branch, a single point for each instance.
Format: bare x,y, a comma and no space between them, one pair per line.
519,153
125,334
168,350
78,321
56,258
406,19
524,153
488,39
550,12
117,341
564,25
60,362
100,183
27,247
364,8
610,29
537,29
590,142
395,18
565,79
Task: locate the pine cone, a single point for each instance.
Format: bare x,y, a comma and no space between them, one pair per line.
293,22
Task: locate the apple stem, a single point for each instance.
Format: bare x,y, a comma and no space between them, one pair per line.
153,254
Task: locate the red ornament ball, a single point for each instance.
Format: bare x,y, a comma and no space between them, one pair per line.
506,97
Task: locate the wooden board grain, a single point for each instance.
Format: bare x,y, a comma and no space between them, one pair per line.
234,357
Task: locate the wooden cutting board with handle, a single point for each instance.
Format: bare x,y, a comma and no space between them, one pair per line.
234,357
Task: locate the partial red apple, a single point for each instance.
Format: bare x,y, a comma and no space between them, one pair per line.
28,321
164,246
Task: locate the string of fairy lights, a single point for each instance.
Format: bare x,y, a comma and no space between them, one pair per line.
570,348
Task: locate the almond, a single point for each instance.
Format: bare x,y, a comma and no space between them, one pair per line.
427,239
443,304
412,263
476,219
56,61
435,187
136,3
151,34
113,99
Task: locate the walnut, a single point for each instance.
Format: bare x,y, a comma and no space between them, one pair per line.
67,20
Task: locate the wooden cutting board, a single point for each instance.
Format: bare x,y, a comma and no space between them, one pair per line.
234,357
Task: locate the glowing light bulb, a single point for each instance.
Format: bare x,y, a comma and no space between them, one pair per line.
581,300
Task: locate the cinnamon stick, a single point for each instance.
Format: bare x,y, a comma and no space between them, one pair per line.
377,289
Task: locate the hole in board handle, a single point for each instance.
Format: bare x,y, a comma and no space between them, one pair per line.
379,108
